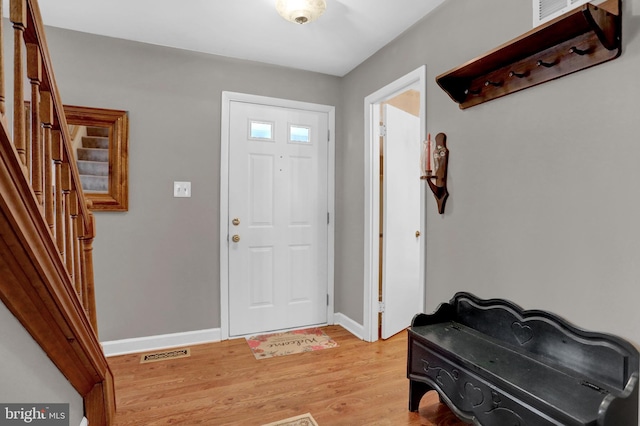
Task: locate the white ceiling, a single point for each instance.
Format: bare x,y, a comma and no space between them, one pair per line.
348,33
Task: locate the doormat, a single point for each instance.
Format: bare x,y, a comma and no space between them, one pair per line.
303,420
291,342
161,356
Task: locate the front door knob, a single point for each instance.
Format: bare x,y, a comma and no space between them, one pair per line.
235,238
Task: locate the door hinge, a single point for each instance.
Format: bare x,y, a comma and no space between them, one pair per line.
328,217
380,307
327,299
383,130
328,135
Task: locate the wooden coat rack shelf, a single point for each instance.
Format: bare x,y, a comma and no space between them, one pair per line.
584,37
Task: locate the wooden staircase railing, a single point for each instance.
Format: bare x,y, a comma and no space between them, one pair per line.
46,227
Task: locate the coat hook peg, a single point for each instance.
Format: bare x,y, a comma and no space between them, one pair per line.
472,91
579,51
518,74
545,64
493,83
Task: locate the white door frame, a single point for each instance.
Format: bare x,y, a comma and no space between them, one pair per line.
372,196
227,98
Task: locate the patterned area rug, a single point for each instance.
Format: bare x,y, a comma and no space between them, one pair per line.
291,342
303,420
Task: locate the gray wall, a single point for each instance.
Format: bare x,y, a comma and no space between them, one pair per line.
543,207
544,201
544,183
157,265
27,375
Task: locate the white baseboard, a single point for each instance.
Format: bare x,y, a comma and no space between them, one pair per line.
163,341
348,324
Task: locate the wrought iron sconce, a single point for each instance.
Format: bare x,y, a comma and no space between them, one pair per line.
438,181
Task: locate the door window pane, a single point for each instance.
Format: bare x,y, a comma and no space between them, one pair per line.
299,134
261,130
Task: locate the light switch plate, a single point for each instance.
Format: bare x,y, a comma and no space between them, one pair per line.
182,189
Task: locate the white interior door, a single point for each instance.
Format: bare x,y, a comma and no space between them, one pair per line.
278,204
401,220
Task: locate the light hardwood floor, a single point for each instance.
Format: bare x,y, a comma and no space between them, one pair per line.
357,383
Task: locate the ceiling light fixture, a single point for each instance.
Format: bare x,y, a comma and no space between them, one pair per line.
301,11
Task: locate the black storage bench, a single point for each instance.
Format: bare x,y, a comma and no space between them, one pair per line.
494,364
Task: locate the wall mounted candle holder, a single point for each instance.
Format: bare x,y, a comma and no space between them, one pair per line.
438,180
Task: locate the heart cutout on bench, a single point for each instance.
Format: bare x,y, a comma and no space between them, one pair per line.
473,394
523,333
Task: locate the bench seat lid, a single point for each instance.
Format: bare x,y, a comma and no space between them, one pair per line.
524,375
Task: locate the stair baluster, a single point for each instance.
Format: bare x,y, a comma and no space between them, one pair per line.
34,73
75,242
68,225
56,152
19,19
46,117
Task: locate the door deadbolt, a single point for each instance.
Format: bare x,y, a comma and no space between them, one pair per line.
235,238
417,234
236,221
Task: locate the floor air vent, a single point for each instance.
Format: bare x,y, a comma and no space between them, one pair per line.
161,356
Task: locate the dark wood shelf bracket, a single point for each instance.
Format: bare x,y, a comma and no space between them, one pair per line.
586,36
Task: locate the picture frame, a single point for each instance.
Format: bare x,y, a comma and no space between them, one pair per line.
101,145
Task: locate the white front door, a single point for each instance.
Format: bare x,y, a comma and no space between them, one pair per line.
277,218
401,236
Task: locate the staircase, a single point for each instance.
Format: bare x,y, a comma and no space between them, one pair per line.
93,160
46,225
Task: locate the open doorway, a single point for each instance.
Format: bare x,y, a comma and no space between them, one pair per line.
394,206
